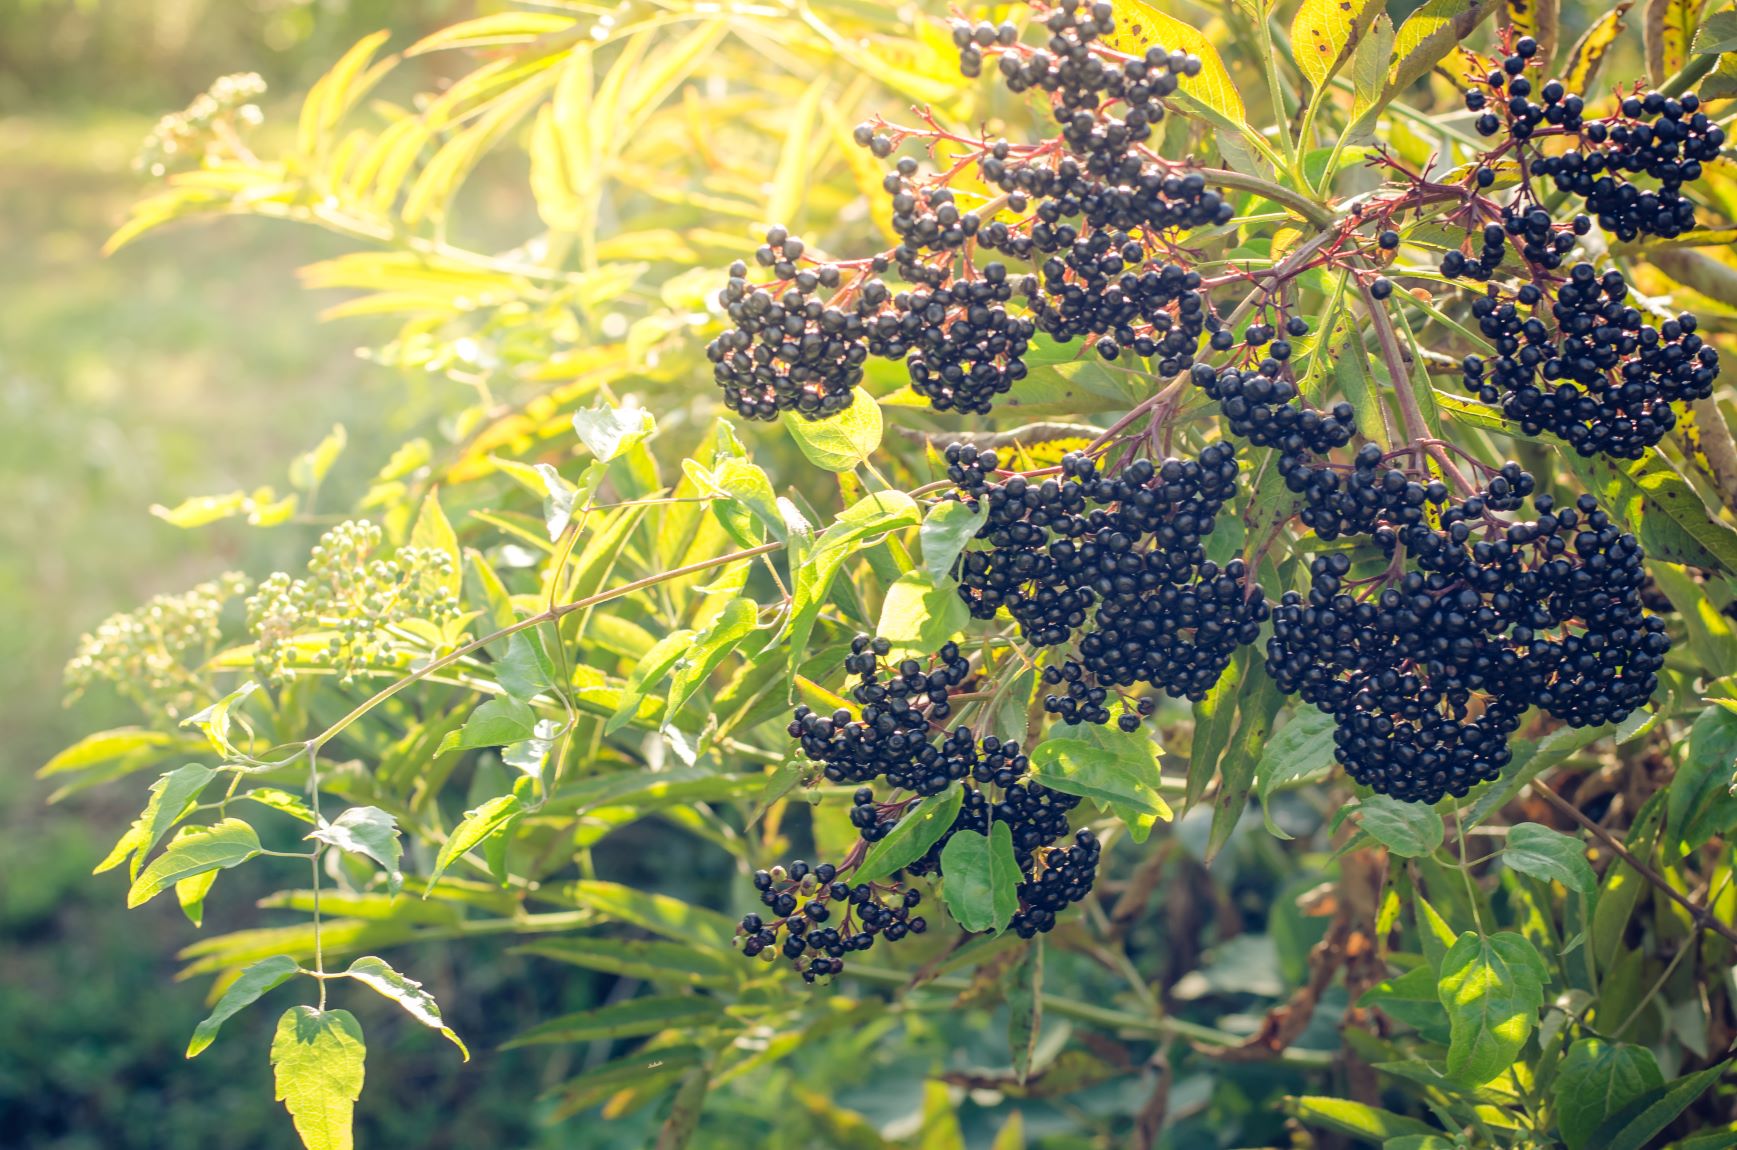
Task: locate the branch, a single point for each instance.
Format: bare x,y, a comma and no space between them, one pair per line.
1702,915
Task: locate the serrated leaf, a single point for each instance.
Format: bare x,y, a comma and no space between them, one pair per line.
406,992
1548,854
1410,830
254,981
1716,35
1113,767
920,613
920,828
1324,34
173,797
525,670
610,431
477,826
218,847
367,831
840,442
1596,1080
1302,749
1649,497
495,723
947,529
1140,26
981,878
646,675
874,515
1429,34
1492,989
317,1059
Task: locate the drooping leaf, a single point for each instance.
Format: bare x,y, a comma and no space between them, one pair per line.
920,828
1258,704
1430,33
646,675
433,531
228,843
191,892
981,878
317,1058
920,613
525,670
1539,19
1587,55
495,723
1650,498
1302,749
630,1019
1596,1080
406,992
1025,1007
367,831
708,649
873,515
1537,850
1637,1124
249,987
1492,989
843,441
1356,1119
1667,29
1112,767
1699,803
1410,830
1214,723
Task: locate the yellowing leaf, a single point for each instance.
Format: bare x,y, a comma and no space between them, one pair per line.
1430,33
1538,19
1140,26
218,847
317,1059
377,974
1667,27
1589,51
1324,34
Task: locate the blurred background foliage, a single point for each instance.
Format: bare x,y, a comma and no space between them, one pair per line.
197,362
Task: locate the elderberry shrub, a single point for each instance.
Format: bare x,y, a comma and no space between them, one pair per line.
1119,563
1428,667
1596,375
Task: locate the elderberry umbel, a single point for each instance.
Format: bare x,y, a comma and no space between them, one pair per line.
815,917
1589,369
1428,665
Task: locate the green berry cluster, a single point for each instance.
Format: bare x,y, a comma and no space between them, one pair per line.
153,655
345,612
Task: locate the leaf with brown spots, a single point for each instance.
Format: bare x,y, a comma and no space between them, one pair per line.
1324,33
1667,28
1589,51
1535,18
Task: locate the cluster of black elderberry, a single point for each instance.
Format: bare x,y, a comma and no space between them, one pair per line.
1596,375
1428,674
1121,563
802,900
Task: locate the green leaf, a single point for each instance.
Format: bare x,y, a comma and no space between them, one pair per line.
1492,989
367,831
202,510
1258,704
217,847
173,797
477,826
1410,830
254,981
947,529
610,431
920,828
191,892
654,960
633,1018
317,1058
1635,1125
712,646
1324,34
981,878
1113,767
874,515
1699,804
841,442
1214,722
561,497
525,670
1302,749
685,922
406,992
685,1109
495,723
282,801
749,492
921,613
1369,69
940,1129
646,675
1548,854
1025,1007
1596,1080
1353,1118
1717,34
